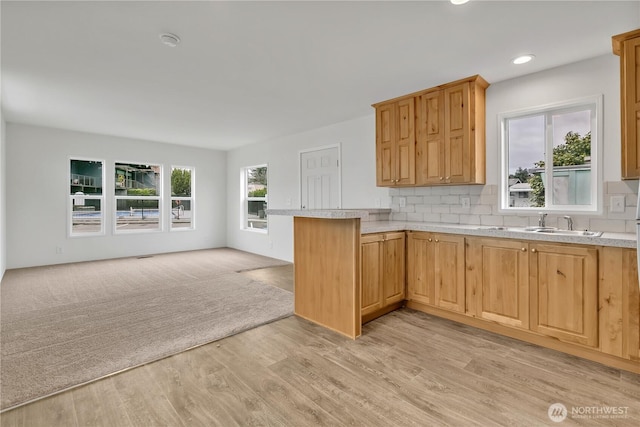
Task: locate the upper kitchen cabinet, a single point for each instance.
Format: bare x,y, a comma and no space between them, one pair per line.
433,137
627,46
395,143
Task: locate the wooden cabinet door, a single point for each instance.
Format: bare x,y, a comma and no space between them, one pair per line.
498,281
631,316
448,259
396,143
405,150
457,155
385,144
420,268
371,272
393,281
619,303
430,139
629,76
564,292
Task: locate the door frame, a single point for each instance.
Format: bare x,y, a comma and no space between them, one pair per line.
321,148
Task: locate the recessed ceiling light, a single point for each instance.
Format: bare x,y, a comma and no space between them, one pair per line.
458,2
169,39
523,59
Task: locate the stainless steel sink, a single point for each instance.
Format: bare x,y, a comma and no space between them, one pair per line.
574,233
546,230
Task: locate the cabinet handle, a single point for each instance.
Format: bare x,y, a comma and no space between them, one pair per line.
524,249
448,178
441,178
437,240
533,250
429,239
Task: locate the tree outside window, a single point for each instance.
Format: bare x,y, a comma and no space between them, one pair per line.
182,202
255,198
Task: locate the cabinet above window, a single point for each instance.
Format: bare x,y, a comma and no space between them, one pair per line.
432,137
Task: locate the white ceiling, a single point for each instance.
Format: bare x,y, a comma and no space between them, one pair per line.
250,71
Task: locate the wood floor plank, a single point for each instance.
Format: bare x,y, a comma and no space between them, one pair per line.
297,409
144,401
99,404
55,410
205,393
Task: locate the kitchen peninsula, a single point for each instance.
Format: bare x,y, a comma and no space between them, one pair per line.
326,255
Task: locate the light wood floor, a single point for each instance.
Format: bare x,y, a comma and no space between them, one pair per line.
407,369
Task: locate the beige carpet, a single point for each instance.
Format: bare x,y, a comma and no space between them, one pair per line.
66,325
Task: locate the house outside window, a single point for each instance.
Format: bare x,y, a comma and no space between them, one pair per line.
137,197
254,203
551,158
86,197
182,198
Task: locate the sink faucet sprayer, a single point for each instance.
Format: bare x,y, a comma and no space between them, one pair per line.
542,219
569,222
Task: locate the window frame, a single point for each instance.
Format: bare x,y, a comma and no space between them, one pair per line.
71,199
245,199
191,199
592,103
158,197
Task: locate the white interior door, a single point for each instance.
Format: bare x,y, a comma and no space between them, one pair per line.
320,178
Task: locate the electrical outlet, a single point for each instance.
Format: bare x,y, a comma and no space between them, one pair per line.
376,202
287,201
402,201
465,202
617,204
59,249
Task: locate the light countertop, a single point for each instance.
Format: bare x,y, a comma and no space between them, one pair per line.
622,240
368,226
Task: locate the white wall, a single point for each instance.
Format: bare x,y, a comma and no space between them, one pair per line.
596,76
38,187
357,142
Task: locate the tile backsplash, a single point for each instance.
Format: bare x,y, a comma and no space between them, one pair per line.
445,205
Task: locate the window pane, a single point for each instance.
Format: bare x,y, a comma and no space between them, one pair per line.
256,198
526,161
137,180
180,182
181,213
86,177
137,214
86,216
572,158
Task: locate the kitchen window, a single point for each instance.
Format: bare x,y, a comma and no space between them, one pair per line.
551,158
254,200
86,198
137,197
182,198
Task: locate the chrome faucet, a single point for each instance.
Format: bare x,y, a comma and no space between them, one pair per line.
542,219
569,222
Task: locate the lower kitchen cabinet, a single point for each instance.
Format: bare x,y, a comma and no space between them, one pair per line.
619,303
498,281
382,257
564,292
435,270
